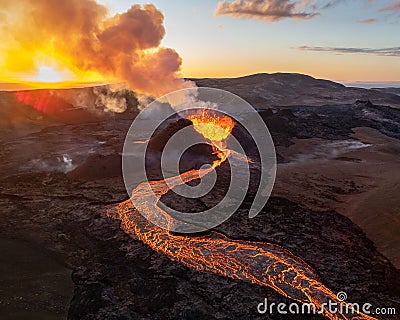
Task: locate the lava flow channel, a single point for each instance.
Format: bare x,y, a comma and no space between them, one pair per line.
261,263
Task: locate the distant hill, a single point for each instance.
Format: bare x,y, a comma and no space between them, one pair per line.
389,90
287,89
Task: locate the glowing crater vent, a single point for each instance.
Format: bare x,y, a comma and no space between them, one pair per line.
212,127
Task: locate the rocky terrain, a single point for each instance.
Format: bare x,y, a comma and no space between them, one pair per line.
60,177
285,89
389,90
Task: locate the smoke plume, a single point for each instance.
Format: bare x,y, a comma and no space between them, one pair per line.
80,36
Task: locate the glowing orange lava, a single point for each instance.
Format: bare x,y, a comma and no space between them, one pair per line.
212,127
40,100
261,263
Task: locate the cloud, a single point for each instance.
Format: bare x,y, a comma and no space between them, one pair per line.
387,52
269,10
80,36
394,6
332,3
370,20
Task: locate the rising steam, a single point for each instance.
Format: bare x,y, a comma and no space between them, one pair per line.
79,35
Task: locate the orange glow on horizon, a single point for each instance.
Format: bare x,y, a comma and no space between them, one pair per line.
27,85
55,78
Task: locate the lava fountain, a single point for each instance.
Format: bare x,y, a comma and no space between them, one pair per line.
212,127
261,263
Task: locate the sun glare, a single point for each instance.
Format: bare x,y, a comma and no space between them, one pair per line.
49,77
48,74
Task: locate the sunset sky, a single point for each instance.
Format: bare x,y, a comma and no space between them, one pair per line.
218,46
341,40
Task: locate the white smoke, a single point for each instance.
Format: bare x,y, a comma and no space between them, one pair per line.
111,99
144,100
62,163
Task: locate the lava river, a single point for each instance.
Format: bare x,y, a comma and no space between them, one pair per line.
261,263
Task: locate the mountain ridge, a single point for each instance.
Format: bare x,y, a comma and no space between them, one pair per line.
266,90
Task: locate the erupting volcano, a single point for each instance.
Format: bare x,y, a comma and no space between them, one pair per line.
152,168
261,263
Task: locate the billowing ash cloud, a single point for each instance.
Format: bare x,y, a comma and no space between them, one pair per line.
79,35
388,52
270,10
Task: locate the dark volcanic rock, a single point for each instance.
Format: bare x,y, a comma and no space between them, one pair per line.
98,167
389,90
163,135
118,277
156,288
330,122
192,158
